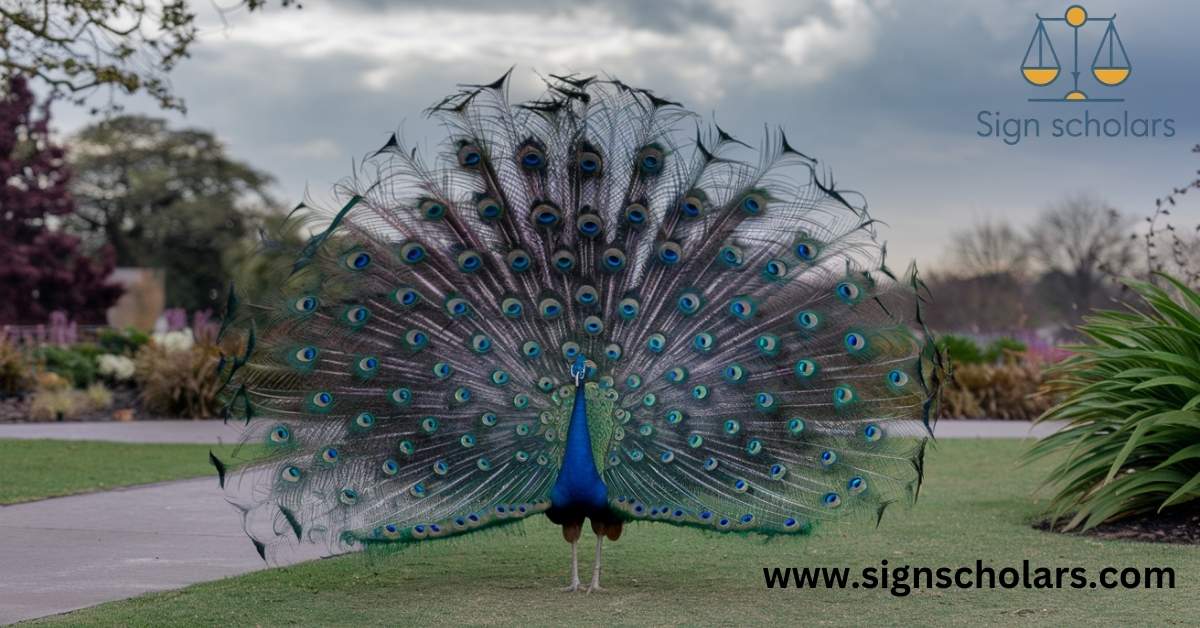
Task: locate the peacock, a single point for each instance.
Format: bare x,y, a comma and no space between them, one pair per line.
576,309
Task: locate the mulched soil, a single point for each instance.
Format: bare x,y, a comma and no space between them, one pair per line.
1175,525
16,409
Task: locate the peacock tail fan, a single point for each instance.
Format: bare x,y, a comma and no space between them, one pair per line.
753,364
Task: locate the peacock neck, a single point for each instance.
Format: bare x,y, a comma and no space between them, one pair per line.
579,482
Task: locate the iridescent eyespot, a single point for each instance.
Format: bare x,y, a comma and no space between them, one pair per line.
469,261
593,325
390,466
764,401
401,396
628,308
442,370
520,401
656,343
898,378
531,157
563,260
480,343
674,417
855,342
649,399
731,256
500,377
633,382
531,349
872,432
768,344
699,392
636,214
364,420
431,209
469,155
843,395
523,429
587,295
348,496
545,384
518,260
743,308
462,394
806,250
754,447
484,464
358,260
550,308
545,215
441,467
689,303
777,471
613,259
612,351
280,434
366,366
805,368
732,426
290,474
677,375
589,225
856,485
356,316
692,204
489,419
329,455
847,292
412,252
650,160
305,304
429,424
322,400
667,457
807,320
695,441
775,270
418,491
570,349
512,307
831,500
306,355
710,464
406,297
704,342
457,307
591,163
753,203
740,485
415,339
406,447
796,426
734,373
670,253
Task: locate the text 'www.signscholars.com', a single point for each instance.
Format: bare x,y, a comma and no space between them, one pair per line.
900,580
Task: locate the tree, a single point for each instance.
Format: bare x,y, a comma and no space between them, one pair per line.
1078,242
988,248
77,46
43,269
167,198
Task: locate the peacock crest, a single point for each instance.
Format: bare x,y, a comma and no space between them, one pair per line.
752,363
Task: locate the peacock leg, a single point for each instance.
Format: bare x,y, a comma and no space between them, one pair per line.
595,585
574,586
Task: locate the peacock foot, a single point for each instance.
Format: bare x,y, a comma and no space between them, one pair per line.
575,586
595,588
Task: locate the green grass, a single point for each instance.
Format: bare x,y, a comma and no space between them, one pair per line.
975,505
37,469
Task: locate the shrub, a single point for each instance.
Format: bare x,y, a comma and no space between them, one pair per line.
1010,390
123,342
117,368
1132,406
98,397
960,349
1003,349
178,382
14,370
56,404
76,363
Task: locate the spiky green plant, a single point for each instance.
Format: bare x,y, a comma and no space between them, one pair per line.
1132,406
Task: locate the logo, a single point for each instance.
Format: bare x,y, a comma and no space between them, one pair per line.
1110,64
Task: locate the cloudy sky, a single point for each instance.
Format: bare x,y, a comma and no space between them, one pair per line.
886,93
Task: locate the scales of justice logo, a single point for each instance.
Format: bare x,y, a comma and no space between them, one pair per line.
1042,67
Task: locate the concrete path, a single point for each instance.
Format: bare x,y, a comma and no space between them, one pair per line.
211,432
61,554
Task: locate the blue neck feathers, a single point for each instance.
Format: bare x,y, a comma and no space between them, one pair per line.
579,484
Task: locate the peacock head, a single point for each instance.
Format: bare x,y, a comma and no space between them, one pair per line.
579,369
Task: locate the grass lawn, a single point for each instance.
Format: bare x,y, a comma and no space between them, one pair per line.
975,505
37,469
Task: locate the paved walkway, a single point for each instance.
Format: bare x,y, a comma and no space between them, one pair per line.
211,432
61,554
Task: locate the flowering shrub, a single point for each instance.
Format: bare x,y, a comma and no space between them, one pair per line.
173,341
118,368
